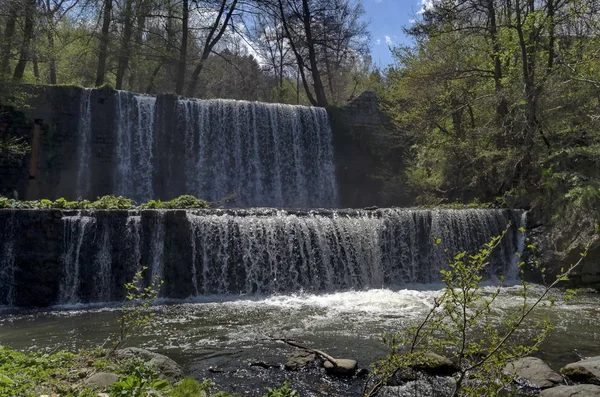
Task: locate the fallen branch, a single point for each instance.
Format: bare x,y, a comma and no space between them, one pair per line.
315,351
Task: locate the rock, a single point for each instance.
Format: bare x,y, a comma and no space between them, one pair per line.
167,367
584,371
434,364
344,367
430,386
101,380
535,372
300,359
572,391
264,365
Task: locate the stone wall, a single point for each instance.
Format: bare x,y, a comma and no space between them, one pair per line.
364,148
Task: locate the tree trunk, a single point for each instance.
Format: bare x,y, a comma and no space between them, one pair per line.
125,51
26,44
183,50
211,41
141,14
299,59
52,60
312,57
104,39
7,37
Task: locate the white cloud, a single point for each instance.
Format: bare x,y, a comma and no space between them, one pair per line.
425,5
412,20
378,42
388,40
378,1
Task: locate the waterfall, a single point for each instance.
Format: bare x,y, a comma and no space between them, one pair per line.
135,116
84,136
266,155
270,155
157,246
103,267
276,251
134,241
74,233
256,251
7,262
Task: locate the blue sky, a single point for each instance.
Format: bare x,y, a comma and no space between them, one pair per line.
386,19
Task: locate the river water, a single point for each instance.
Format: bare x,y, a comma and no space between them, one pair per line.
219,337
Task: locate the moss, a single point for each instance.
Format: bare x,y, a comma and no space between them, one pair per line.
104,203
580,375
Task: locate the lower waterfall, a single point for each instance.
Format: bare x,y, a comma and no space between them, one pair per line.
253,251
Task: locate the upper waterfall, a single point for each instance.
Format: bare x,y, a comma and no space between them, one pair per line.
267,155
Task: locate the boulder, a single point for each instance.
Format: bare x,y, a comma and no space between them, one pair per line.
434,364
301,359
584,371
101,380
167,367
533,372
572,391
342,367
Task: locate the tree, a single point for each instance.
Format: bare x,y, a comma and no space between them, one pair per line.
104,40
215,33
463,323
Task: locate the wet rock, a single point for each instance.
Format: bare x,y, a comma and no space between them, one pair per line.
431,386
261,364
572,391
584,371
533,372
343,367
434,364
167,367
101,380
301,359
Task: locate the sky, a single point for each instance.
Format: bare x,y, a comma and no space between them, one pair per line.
386,19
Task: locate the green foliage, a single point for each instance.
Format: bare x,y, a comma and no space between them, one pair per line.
463,324
488,119
13,149
37,373
136,315
191,388
142,382
284,391
104,203
181,202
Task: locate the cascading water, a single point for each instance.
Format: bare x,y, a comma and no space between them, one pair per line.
254,252
7,261
271,155
84,132
134,241
267,155
263,251
157,246
75,229
135,116
103,267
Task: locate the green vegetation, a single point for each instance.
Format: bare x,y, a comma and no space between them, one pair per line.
464,325
498,101
104,203
181,202
284,391
35,374
135,313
